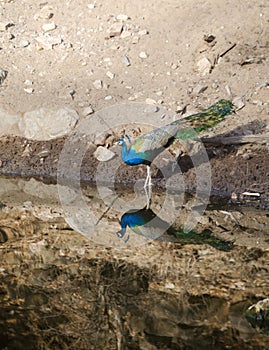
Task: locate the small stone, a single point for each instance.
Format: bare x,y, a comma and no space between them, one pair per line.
169,285
98,84
199,89
142,32
3,75
5,25
125,60
29,90
151,108
135,40
24,43
87,111
47,42
150,101
122,17
159,93
238,102
174,66
92,5
115,30
143,54
125,34
47,27
28,82
110,75
44,13
209,38
228,90
108,98
204,66
103,154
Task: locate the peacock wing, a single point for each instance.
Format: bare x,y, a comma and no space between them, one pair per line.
156,139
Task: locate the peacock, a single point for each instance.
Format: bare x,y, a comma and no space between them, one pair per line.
145,148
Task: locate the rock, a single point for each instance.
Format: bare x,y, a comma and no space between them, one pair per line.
199,89
150,101
238,102
135,40
92,5
44,13
87,111
115,30
103,154
228,90
46,124
47,27
143,54
142,32
8,123
122,17
24,43
209,38
29,90
3,75
110,75
47,42
108,98
125,34
98,84
125,60
5,25
151,108
204,66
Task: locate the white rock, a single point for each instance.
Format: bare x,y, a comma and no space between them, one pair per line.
103,154
24,43
87,111
199,89
8,123
92,5
110,75
47,124
135,40
125,60
122,17
143,54
44,13
28,82
115,29
108,98
47,42
98,84
125,34
143,32
204,66
49,26
238,102
29,90
150,101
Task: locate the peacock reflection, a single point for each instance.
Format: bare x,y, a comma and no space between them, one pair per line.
145,222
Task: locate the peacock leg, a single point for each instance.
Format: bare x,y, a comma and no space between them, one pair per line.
147,187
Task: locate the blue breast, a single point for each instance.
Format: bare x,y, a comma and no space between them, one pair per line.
134,158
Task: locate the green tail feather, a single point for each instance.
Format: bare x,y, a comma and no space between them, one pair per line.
204,120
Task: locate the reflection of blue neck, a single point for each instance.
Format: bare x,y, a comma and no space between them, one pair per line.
124,151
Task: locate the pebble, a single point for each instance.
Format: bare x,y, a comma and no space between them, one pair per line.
115,30
3,75
47,42
143,54
87,111
98,84
103,154
109,97
150,101
110,75
151,108
204,66
29,90
92,5
135,40
125,60
122,17
125,34
44,13
228,90
199,89
4,26
238,102
24,43
143,32
47,27
28,82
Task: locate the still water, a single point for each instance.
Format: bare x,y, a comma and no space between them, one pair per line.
111,274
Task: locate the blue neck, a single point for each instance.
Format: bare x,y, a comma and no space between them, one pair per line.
124,151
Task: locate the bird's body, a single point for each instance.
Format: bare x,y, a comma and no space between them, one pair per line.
145,148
